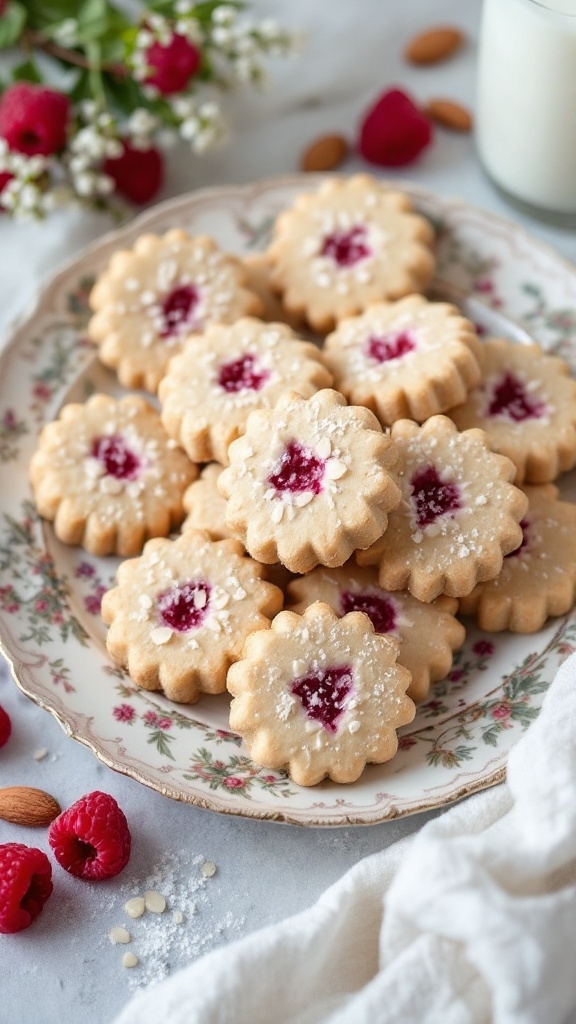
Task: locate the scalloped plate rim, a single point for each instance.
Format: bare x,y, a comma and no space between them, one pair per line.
66,717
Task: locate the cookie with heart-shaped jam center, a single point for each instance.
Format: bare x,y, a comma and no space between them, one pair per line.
320,695
458,517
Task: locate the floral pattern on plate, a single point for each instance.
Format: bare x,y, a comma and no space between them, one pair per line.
50,594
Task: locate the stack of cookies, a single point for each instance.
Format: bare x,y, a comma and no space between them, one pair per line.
371,484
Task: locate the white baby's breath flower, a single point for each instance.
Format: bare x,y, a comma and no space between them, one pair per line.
183,106
113,148
189,128
104,184
84,184
209,111
89,109
142,122
28,197
190,29
269,29
144,39
23,198
79,163
222,36
66,32
224,14
160,29
36,166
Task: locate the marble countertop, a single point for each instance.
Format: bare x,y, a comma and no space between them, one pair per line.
65,965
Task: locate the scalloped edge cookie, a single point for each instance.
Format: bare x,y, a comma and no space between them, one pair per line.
320,696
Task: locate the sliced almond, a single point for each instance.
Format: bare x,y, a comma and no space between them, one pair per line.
24,805
325,153
449,114
434,45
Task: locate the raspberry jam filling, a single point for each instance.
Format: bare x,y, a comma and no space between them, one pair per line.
391,346
525,525
380,610
298,469
185,607
511,398
323,694
179,309
243,374
117,458
433,497
346,247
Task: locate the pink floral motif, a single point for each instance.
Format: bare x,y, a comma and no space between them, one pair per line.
8,599
501,711
164,723
233,782
42,391
485,286
124,713
483,648
150,718
84,570
93,602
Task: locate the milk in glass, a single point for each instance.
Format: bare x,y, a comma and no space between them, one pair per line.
526,109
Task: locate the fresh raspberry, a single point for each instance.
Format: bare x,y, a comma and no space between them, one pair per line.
172,66
25,885
91,839
394,131
33,119
5,726
137,173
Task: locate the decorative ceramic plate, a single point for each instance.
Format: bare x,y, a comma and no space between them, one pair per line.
50,594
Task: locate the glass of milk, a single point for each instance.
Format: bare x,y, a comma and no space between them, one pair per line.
526,104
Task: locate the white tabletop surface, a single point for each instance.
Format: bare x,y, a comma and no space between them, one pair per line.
65,967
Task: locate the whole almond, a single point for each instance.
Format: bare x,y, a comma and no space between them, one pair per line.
434,45
24,805
449,114
325,153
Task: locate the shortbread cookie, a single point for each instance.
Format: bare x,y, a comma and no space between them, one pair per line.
459,513
428,634
309,481
526,403
218,379
259,270
405,359
180,613
354,242
538,579
319,695
108,475
205,505
150,297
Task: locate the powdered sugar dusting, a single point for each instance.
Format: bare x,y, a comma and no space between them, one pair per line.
166,942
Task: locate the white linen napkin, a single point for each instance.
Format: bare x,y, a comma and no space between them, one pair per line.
471,921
